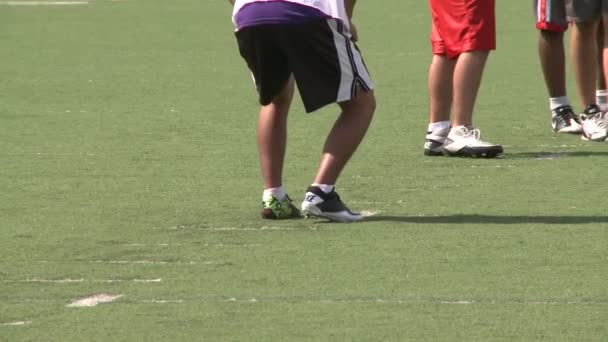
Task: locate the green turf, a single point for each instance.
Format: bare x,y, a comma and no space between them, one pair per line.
127,152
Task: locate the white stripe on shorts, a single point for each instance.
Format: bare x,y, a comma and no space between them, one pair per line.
352,68
539,11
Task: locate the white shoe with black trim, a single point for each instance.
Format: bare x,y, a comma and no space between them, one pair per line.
465,141
595,124
328,205
434,141
564,120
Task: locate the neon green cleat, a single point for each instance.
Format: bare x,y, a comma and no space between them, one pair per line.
275,209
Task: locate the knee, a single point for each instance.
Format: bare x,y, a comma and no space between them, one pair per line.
586,28
365,103
552,36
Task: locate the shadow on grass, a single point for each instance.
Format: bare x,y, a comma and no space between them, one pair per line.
555,155
485,219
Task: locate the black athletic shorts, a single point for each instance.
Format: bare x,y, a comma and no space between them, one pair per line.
326,64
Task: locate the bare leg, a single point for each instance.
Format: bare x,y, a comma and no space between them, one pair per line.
583,50
272,136
441,79
467,78
345,136
553,61
605,47
601,79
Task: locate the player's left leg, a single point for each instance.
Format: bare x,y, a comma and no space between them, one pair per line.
583,48
259,47
463,139
586,18
604,63
601,94
272,141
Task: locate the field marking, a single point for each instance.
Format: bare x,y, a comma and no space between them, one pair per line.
162,301
131,262
147,262
94,300
151,244
16,323
410,301
43,3
324,300
366,300
218,245
369,213
193,227
81,280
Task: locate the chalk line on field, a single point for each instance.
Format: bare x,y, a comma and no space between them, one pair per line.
369,213
218,245
132,262
377,300
15,323
194,227
148,262
94,300
103,298
43,3
81,280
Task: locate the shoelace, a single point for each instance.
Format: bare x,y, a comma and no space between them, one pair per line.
474,133
599,119
602,120
568,116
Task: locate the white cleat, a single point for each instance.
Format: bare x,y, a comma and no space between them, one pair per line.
465,141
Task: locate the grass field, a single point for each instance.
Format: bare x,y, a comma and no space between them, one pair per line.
128,167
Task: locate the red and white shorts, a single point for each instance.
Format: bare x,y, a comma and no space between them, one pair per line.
551,15
462,25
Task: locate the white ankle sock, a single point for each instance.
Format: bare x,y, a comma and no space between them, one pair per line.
601,97
435,126
556,102
326,188
276,192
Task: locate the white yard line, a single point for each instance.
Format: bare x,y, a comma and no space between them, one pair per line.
232,228
162,301
106,298
131,262
368,213
218,245
43,3
16,323
94,300
148,262
71,281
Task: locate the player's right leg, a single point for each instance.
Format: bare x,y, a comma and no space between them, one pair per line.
342,141
441,79
468,31
551,23
329,68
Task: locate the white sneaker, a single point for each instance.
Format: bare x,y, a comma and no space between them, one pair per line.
434,141
330,206
595,126
564,120
465,141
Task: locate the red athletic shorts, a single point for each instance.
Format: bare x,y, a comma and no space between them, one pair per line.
462,25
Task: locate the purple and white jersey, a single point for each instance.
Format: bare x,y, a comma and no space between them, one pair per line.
287,11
